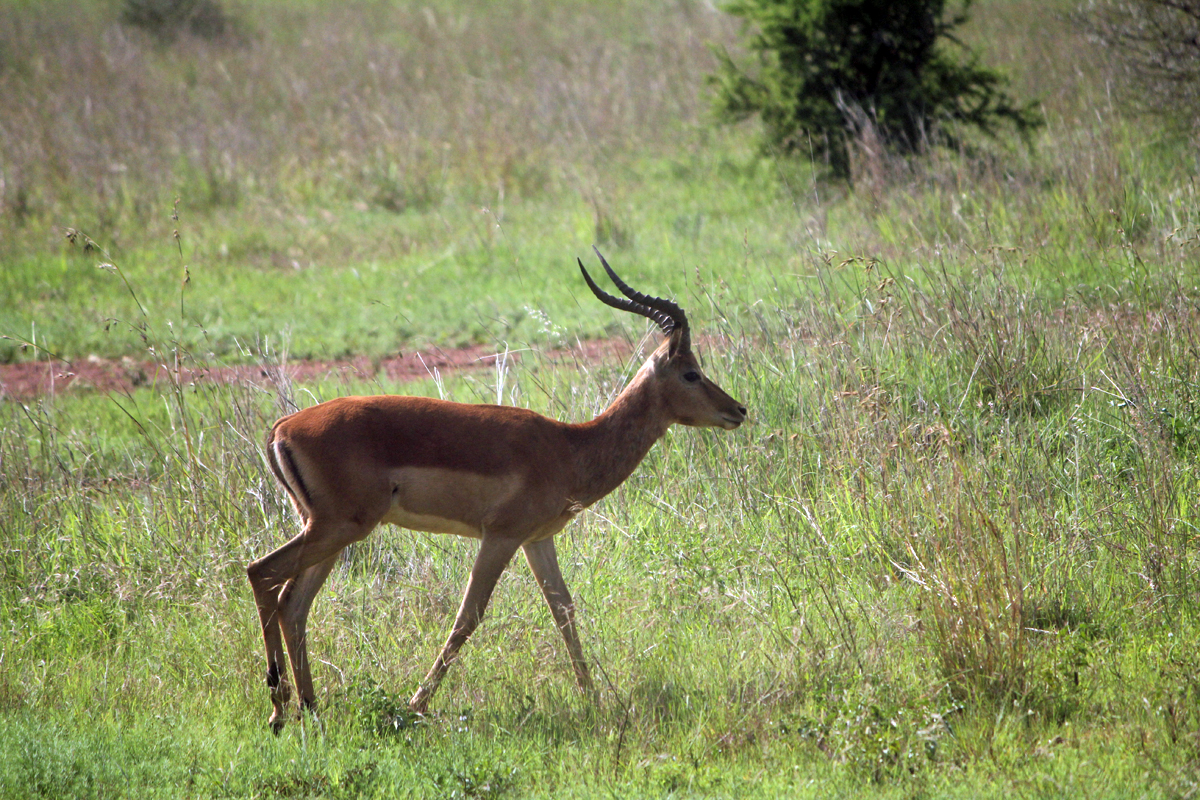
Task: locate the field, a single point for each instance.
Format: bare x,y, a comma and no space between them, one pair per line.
953,553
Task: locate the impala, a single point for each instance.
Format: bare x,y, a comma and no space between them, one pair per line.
506,476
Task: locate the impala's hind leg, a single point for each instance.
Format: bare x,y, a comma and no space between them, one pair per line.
266,598
273,578
267,595
294,604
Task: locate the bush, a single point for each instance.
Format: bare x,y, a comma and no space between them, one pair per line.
1155,45
828,69
166,19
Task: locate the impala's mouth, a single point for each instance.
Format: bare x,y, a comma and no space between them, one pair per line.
729,422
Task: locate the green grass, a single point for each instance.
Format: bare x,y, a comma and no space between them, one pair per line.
479,278
954,554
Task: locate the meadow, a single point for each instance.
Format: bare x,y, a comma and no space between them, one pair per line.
953,552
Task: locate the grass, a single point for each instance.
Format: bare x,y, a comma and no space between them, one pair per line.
954,554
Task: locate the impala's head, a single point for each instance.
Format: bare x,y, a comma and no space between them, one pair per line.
690,397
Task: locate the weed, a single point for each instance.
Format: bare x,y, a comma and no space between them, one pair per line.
378,711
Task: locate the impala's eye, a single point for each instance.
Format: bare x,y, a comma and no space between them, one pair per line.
691,377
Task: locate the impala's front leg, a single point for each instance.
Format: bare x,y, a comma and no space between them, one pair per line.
543,561
494,555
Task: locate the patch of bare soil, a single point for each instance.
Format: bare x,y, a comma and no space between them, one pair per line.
37,378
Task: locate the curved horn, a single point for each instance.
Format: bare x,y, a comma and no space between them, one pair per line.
667,307
665,322
666,314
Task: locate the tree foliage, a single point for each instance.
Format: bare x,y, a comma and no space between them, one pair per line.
826,67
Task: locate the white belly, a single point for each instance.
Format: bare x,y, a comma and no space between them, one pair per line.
447,501
430,523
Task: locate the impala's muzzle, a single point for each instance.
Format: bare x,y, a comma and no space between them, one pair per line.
733,417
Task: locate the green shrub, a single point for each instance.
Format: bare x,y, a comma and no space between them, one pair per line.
831,69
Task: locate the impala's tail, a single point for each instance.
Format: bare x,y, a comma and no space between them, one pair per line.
279,456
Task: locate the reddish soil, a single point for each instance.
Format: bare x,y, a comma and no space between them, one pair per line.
36,378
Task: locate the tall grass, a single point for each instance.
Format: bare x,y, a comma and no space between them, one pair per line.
333,165
394,107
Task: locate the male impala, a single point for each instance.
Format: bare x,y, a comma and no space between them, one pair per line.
506,476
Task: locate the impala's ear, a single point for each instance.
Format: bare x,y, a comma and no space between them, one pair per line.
680,341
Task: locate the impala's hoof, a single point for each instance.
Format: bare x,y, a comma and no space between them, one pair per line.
277,722
419,703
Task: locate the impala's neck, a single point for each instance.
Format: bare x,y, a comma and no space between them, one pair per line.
608,449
